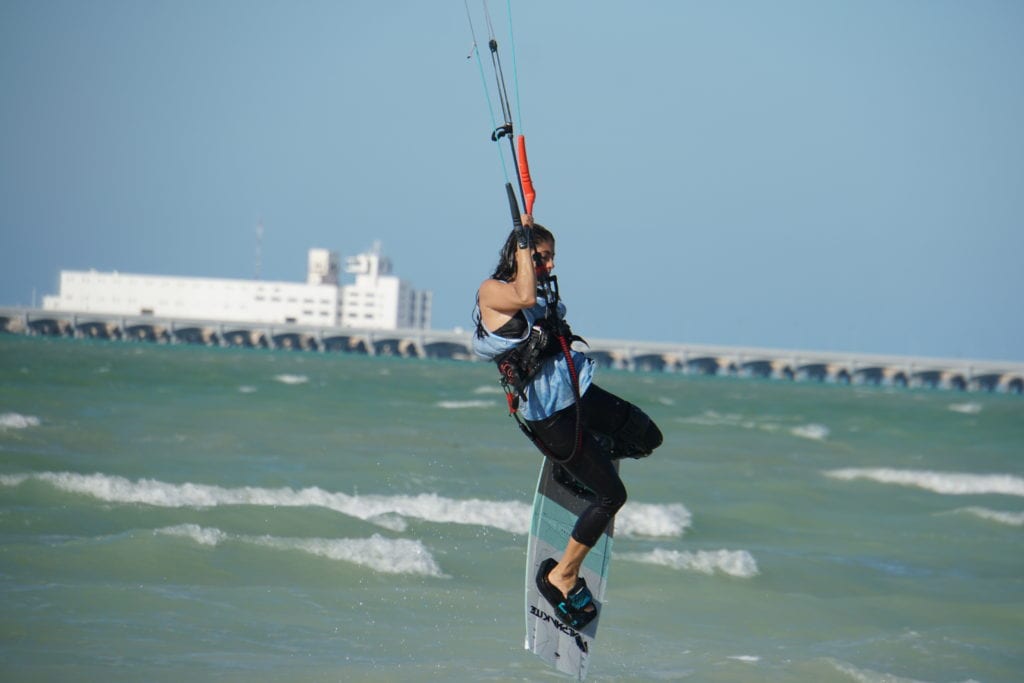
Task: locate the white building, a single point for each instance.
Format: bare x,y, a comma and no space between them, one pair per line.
380,300
377,300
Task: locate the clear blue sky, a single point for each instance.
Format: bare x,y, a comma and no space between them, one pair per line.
815,174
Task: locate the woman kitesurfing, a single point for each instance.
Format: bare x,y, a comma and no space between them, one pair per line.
574,422
582,429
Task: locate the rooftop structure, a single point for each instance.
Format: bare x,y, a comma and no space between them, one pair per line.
378,299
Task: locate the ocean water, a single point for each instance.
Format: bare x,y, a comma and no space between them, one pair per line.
185,513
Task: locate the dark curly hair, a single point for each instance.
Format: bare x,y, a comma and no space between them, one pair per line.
507,268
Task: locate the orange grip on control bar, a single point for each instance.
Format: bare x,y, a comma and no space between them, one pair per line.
524,175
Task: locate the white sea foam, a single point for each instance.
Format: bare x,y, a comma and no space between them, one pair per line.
1010,518
710,418
510,516
459,405
869,676
246,389
17,421
201,535
966,408
738,563
952,483
389,556
749,659
388,512
291,379
488,389
646,519
815,432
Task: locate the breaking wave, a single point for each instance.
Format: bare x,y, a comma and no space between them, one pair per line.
389,556
951,483
970,408
17,421
507,515
645,519
389,512
711,418
458,405
292,379
869,676
1010,518
738,563
815,432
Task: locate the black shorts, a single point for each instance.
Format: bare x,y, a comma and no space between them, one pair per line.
612,428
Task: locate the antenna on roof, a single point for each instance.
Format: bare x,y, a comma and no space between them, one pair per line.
259,248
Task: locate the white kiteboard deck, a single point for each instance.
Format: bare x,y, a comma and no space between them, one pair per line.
555,509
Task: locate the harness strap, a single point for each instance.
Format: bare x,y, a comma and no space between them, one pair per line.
520,364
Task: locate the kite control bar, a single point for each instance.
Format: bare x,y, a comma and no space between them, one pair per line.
522,235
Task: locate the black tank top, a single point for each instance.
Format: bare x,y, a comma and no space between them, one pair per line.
514,328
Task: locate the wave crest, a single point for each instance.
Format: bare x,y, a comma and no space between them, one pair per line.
17,421
645,519
773,425
951,483
385,555
291,379
510,516
388,512
738,563
1010,518
870,676
459,405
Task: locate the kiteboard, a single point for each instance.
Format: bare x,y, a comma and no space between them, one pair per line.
556,505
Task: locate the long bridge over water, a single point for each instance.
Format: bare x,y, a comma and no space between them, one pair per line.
822,366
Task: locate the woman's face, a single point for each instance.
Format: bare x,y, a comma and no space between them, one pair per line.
544,258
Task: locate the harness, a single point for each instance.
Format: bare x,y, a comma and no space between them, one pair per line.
549,337
520,364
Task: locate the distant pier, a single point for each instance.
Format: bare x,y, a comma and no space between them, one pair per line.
796,365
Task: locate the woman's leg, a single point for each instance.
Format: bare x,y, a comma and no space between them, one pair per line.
592,467
633,434
565,574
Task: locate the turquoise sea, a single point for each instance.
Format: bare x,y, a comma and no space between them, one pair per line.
173,513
